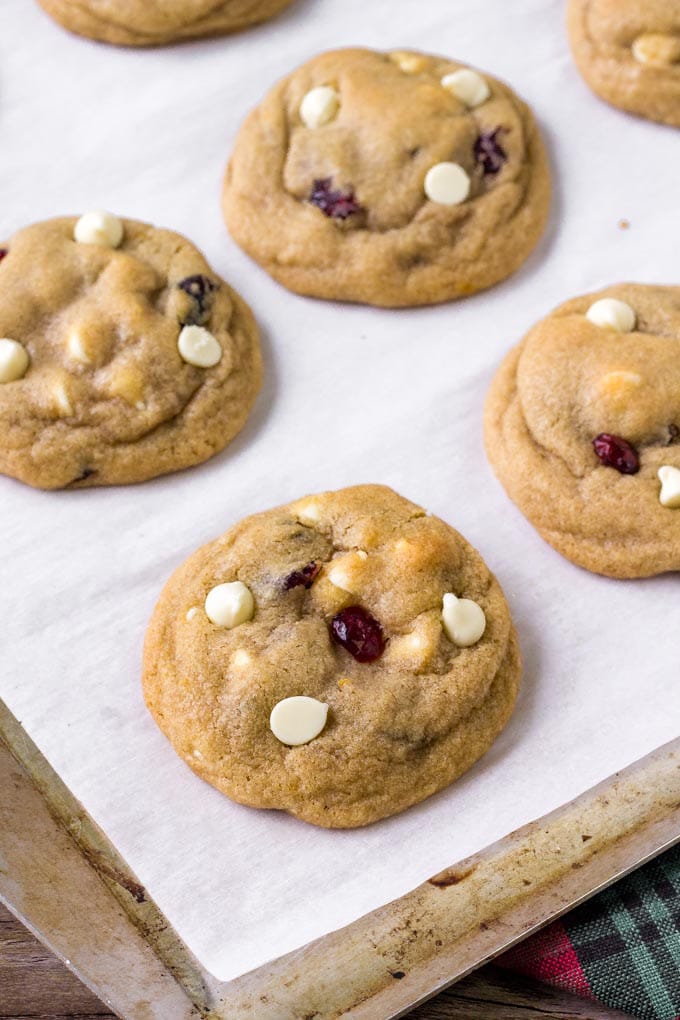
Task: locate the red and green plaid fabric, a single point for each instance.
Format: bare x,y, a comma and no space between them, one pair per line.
622,948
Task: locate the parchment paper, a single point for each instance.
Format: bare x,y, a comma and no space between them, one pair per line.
351,395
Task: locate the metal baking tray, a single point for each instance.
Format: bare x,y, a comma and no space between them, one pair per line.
61,876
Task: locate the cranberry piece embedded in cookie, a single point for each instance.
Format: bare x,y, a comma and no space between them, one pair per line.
305,577
359,633
613,451
3,252
339,205
489,152
200,288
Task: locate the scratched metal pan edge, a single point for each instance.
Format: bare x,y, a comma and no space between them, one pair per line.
385,963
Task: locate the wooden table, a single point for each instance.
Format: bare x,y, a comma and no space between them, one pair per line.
35,985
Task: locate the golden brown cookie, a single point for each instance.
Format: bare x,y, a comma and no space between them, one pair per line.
391,179
122,354
629,53
339,658
582,426
155,22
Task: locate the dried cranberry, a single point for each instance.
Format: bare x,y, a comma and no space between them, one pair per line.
339,205
489,152
359,633
304,577
617,453
200,289
3,252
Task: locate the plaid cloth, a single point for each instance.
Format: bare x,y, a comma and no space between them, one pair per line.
621,949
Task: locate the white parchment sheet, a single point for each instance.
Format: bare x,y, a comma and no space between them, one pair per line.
351,395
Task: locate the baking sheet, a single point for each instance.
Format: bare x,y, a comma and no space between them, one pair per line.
351,395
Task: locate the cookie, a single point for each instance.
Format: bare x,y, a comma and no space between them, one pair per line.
340,658
122,354
582,426
140,23
629,53
391,179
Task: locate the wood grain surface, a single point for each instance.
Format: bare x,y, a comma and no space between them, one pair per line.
35,985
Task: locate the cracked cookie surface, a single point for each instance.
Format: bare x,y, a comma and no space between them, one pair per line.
103,394
156,22
582,423
407,709
341,183
629,53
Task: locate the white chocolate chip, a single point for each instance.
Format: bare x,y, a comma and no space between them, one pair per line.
99,227
319,106
61,399
657,49
409,63
308,512
411,555
620,380
464,620
298,720
610,313
447,184
328,598
241,658
75,346
338,575
197,346
670,486
345,571
410,646
419,646
228,605
193,612
468,86
618,388
14,360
